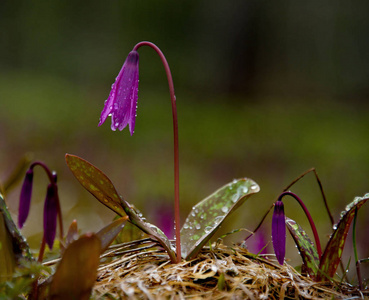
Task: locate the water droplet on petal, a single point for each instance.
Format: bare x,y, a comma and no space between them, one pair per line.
198,226
185,226
225,209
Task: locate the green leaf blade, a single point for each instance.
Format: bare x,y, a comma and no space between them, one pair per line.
305,246
209,214
333,251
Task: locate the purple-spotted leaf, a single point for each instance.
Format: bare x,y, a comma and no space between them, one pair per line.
76,273
96,182
333,251
101,187
109,232
305,246
209,214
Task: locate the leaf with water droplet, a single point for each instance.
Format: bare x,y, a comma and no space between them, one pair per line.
101,187
206,216
305,246
333,251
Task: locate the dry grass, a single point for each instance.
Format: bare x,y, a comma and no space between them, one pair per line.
144,272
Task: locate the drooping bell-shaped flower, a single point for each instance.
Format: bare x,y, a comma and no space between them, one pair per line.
121,104
279,231
25,198
50,214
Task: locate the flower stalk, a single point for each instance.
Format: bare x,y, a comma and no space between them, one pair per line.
121,105
175,140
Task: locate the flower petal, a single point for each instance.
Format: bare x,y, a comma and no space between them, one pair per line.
122,101
50,214
25,198
279,232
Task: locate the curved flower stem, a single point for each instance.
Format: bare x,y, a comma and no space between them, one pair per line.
320,187
175,133
312,225
46,169
52,179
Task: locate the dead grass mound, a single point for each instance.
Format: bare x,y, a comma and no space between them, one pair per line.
219,273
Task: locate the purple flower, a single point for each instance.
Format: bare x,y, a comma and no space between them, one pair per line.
25,198
121,104
50,214
279,231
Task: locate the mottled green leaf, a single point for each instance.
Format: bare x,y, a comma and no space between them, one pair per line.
209,214
109,232
100,186
305,246
333,251
76,273
96,182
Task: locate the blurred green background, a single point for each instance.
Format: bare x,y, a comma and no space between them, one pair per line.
264,90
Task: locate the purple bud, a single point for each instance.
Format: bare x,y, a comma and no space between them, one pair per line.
121,104
25,198
50,214
279,231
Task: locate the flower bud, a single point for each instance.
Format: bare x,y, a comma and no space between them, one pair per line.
50,214
25,198
279,231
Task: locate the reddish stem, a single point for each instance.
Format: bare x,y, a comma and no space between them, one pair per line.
42,249
312,225
46,169
175,134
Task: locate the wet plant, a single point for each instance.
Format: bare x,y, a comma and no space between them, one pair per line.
81,254
318,264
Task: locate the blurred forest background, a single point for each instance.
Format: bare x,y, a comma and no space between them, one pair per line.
264,90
